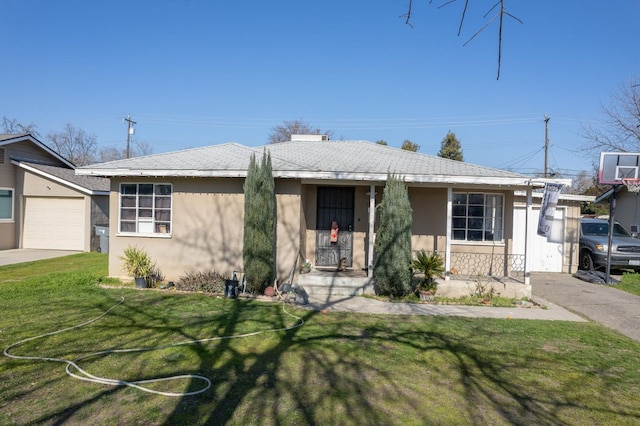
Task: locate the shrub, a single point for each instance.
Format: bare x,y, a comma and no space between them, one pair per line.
138,264
208,282
392,268
430,265
259,242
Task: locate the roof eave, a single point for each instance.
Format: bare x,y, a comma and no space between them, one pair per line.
315,175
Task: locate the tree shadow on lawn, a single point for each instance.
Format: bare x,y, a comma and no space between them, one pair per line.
330,370
355,390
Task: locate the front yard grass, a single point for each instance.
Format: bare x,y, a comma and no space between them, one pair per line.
338,368
630,283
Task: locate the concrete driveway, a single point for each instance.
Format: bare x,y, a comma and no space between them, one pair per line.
8,257
614,308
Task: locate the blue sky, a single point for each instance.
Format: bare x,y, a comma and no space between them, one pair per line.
203,72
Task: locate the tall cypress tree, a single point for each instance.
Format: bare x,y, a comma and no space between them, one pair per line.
392,268
259,242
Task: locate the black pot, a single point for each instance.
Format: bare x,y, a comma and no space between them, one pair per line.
141,282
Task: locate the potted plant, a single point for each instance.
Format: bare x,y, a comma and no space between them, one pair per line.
305,268
431,266
138,264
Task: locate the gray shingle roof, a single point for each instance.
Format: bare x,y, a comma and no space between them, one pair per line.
345,160
90,183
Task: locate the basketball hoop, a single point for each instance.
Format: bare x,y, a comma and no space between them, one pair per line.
632,184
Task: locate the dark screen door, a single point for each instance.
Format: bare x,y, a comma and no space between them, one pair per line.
335,204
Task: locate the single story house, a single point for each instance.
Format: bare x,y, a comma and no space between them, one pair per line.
43,203
186,208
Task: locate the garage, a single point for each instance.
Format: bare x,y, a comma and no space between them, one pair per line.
547,253
54,223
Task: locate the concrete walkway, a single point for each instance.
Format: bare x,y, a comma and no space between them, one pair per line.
367,305
9,257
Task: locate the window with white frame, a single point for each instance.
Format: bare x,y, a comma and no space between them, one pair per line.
145,208
477,216
6,204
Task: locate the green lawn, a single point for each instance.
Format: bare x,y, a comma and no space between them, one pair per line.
630,283
338,368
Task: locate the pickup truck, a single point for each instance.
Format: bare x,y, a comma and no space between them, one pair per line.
594,241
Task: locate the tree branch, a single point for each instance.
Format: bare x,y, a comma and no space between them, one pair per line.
500,14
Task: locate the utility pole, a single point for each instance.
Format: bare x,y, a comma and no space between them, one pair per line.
130,131
546,145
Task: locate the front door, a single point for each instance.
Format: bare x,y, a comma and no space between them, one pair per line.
335,210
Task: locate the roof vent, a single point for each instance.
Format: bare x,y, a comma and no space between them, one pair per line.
309,138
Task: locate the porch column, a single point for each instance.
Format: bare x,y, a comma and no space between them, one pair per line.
447,246
527,238
372,219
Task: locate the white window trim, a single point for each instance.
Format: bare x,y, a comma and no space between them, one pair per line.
500,242
13,205
143,234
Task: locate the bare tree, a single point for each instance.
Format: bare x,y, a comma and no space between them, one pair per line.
500,15
620,129
110,153
137,149
11,126
74,144
141,148
283,132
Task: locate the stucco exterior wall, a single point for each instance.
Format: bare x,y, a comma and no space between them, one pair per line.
289,210
7,235
8,180
429,219
360,227
207,228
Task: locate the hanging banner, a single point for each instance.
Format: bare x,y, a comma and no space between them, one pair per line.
548,208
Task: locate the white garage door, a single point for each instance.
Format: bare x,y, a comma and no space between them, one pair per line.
547,255
54,223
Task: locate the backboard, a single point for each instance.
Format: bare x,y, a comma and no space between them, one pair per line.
615,166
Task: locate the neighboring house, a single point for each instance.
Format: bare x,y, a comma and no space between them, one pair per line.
43,203
627,207
186,208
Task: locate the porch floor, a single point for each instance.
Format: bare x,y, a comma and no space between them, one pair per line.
355,282
336,283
